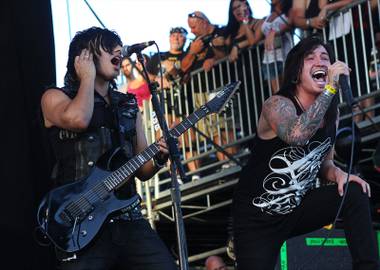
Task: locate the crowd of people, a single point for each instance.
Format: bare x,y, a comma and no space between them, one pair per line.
276,197
212,43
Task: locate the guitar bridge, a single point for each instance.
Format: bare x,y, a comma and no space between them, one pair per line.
66,218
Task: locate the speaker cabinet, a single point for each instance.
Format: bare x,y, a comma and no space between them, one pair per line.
306,252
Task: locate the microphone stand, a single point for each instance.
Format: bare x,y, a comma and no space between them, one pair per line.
218,147
175,164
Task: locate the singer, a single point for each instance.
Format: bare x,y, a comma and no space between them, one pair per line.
86,118
278,195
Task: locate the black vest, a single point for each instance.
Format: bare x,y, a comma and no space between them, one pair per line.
111,126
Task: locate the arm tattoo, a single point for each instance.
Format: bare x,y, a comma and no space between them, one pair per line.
296,130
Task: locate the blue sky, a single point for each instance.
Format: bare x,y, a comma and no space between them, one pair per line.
134,20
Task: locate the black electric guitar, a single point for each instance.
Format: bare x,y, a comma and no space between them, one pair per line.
72,215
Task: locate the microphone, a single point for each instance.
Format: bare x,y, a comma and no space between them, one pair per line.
138,47
346,90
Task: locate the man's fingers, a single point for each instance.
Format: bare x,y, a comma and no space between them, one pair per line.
366,188
340,188
369,190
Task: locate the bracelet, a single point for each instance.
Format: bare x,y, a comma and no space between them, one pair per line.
237,46
330,89
308,21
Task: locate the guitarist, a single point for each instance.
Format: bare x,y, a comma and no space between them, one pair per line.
84,120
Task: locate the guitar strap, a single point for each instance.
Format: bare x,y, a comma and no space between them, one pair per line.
125,110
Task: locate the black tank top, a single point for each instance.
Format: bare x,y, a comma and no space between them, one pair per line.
278,175
313,9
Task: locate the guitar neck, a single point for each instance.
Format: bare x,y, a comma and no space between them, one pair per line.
121,175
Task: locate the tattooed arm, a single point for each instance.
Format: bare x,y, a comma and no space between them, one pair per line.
280,113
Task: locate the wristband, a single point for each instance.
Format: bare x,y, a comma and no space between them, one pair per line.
330,89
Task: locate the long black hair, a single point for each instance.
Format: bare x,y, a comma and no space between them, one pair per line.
293,68
92,39
233,25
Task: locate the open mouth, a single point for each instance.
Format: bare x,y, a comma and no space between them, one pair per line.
116,61
319,76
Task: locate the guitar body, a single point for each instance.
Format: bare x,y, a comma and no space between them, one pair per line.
72,233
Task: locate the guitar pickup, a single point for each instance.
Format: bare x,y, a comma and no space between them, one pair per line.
76,210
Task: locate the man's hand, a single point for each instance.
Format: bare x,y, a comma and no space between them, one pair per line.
318,22
234,54
208,64
196,46
84,65
163,153
341,178
334,71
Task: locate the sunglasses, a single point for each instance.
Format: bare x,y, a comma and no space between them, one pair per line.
180,30
194,15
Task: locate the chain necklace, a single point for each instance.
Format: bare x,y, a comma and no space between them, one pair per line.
299,103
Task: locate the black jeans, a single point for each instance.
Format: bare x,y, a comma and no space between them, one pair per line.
258,240
130,245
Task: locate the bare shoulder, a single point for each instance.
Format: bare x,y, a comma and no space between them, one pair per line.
52,95
278,106
256,23
278,110
53,102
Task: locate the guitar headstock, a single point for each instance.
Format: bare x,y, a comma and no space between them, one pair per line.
216,104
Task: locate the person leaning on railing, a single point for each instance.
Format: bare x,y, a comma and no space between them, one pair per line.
311,15
208,46
242,29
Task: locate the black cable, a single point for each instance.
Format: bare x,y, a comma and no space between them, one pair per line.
343,197
161,92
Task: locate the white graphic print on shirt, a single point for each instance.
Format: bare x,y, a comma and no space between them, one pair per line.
294,172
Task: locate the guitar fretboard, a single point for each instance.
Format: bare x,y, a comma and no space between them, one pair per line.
121,175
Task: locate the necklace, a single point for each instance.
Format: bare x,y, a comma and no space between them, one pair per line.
299,103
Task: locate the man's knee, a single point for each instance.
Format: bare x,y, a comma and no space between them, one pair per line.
355,193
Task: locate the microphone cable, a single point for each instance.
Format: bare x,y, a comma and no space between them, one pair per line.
343,197
161,92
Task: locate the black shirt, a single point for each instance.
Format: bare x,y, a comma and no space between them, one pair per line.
153,65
